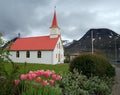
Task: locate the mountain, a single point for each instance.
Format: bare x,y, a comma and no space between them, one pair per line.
104,40
67,43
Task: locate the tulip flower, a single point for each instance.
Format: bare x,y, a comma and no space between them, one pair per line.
45,83
46,74
31,76
56,77
51,82
40,72
30,71
23,77
52,72
16,82
38,79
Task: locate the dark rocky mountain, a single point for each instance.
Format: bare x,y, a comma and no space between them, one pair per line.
104,40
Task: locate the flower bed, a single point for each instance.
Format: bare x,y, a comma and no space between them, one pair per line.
38,82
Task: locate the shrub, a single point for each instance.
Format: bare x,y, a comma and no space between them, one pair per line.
78,84
6,78
67,58
92,64
72,84
98,86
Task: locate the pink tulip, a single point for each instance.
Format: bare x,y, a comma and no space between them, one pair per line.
45,83
49,71
59,78
40,72
38,79
46,74
52,72
23,77
31,76
35,72
51,82
56,77
34,75
30,72
16,82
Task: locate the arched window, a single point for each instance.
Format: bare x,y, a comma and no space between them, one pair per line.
56,55
59,45
39,54
17,54
27,54
59,57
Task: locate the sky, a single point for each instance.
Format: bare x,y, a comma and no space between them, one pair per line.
75,17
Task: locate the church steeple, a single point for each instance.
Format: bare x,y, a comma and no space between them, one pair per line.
54,22
55,30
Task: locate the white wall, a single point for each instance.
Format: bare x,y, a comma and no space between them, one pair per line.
46,57
57,51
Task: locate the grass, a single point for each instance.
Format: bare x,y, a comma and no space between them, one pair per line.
26,67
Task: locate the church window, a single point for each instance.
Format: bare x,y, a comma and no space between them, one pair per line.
17,54
39,54
56,55
59,57
59,45
27,54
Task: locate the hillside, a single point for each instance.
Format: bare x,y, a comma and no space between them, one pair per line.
105,41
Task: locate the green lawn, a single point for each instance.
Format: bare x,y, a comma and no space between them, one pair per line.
25,67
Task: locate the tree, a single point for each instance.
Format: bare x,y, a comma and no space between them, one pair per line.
1,43
6,78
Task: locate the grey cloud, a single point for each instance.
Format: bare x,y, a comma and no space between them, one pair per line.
18,15
85,14
74,17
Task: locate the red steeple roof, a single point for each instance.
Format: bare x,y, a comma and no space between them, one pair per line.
54,22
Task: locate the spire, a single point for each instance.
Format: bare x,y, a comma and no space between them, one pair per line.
54,22
55,30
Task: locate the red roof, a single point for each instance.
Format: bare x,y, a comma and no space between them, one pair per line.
34,43
54,22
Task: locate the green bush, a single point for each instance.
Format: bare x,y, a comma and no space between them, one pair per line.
78,84
72,84
7,86
98,86
92,65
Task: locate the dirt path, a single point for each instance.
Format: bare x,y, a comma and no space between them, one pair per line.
116,87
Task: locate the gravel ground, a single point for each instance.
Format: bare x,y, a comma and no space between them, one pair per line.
116,87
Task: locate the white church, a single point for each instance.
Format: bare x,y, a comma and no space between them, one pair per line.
41,49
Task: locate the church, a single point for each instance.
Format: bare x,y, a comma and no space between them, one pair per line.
41,49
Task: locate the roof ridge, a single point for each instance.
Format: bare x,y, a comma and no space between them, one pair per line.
33,37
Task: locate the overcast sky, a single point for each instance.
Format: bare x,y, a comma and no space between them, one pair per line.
75,17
